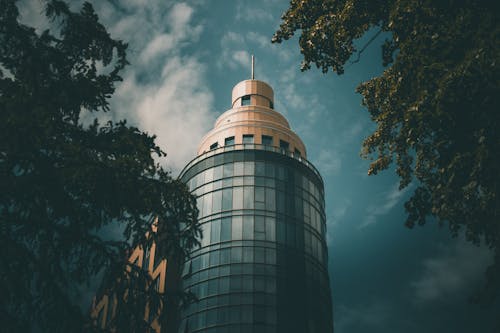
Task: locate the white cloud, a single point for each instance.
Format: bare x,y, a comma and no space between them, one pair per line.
252,13
328,162
453,273
180,31
388,201
176,109
242,58
164,92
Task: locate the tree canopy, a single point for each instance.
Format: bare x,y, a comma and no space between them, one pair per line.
63,181
434,104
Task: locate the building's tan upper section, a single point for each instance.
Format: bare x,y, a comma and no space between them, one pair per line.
252,114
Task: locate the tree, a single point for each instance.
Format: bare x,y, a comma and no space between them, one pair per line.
434,104
62,181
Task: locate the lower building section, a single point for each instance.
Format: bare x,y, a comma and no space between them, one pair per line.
262,264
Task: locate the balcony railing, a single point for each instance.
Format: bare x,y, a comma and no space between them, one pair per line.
251,146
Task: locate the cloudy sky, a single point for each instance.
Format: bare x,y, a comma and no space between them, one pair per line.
186,57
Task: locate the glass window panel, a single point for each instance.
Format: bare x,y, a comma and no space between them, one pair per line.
269,170
223,285
299,207
270,256
238,198
206,234
213,286
248,180
247,138
248,254
260,168
228,170
215,232
259,224
234,317
196,264
199,204
192,183
270,182
280,232
200,178
216,201
248,197
217,174
217,184
202,289
284,145
238,168
245,100
307,241
236,283
204,261
214,258
237,228
209,176
236,254
270,199
281,173
260,181
207,204
227,199
247,283
247,227
290,234
211,317
247,317
270,229
225,256
207,188
225,229
267,140
259,255
260,236
259,194
229,141
270,286
259,284
237,181
227,182
249,168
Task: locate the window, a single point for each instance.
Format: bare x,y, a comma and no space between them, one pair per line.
247,138
297,152
229,141
225,229
245,100
267,140
284,145
271,105
214,145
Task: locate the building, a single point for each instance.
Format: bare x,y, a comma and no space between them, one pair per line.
262,264
104,306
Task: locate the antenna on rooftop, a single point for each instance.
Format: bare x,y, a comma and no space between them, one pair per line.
253,65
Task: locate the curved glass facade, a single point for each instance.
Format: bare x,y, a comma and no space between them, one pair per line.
262,264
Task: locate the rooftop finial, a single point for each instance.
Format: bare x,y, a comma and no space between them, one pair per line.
253,64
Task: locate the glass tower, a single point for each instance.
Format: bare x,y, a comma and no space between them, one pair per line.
262,264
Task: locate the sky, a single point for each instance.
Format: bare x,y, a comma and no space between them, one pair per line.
185,58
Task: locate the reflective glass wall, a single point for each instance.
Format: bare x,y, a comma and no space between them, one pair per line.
262,264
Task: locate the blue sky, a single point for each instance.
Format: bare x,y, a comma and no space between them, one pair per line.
186,57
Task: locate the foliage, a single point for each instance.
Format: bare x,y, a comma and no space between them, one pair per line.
62,182
434,105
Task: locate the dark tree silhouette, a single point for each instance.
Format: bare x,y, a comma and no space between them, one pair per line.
434,105
61,181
